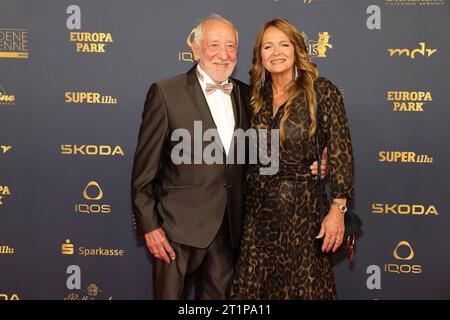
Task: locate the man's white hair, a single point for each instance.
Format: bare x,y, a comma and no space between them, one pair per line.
198,33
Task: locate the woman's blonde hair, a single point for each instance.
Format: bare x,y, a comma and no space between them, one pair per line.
303,85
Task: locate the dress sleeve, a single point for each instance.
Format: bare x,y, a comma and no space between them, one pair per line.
336,136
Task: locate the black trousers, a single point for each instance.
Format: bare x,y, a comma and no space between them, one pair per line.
210,270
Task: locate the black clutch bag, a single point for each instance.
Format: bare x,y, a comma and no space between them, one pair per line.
352,222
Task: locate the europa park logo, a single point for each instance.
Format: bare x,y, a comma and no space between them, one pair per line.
4,192
409,101
85,42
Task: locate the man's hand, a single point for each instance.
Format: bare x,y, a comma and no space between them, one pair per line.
323,167
159,246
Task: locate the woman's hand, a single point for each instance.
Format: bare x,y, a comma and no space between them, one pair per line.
332,228
323,165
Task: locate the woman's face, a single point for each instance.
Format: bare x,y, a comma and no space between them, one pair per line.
277,52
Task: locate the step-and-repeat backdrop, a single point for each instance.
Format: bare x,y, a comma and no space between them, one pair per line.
73,79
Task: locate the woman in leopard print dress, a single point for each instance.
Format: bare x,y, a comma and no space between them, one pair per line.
280,255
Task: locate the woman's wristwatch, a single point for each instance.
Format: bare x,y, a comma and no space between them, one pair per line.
342,207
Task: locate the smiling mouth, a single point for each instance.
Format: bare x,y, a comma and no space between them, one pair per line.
278,61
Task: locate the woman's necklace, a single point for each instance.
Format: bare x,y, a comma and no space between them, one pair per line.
278,101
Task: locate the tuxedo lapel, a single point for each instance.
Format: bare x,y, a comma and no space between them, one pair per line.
236,101
199,100
237,110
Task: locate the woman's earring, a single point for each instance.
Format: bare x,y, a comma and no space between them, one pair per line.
263,77
296,73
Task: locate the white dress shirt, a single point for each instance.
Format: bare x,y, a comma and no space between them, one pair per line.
221,108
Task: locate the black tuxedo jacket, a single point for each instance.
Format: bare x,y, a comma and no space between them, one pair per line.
187,200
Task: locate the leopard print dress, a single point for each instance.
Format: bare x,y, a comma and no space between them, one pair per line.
279,257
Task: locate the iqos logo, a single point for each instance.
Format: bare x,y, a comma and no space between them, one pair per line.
187,56
402,254
99,190
406,244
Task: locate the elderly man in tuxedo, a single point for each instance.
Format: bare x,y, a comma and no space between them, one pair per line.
191,213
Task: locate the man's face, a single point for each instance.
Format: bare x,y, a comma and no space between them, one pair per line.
217,53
